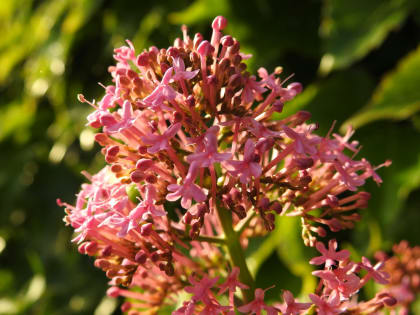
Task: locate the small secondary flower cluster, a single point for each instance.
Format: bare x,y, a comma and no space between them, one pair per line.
197,166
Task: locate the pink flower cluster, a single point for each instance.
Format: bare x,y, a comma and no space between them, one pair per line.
196,166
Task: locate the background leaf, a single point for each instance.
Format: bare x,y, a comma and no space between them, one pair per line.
353,28
397,95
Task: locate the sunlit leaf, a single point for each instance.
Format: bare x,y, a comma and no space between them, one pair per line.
286,241
334,98
293,252
353,28
198,11
16,117
396,97
399,143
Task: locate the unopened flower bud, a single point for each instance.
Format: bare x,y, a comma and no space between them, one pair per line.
198,38
91,248
126,306
227,41
277,207
151,179
205,48
146,229
219,23
143,59
295,86
113,292
137,176
144,164
304,163
106,251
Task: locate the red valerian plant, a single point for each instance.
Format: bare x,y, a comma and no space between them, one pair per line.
197,167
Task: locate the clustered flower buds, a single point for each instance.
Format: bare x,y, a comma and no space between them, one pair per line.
197,166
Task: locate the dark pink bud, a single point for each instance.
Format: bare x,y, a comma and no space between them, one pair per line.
154,256
205,49
107,251
164,66
240,211
227,41
173,52
137,176
169,270
224,64
151,179
178,117
178,43
82,248
296,86
236,60
126,306
111,273
123,80
305,180
143,59
146,229
211,79
302,116
263,204
234,49
198,38
334,225
91,248
132,74
153,52
116,168
387,299
142,149
112,150
235,81
107,119
304,163
141,257
144,164
190,101
219,23
236,194
137,82
202,209
364,195
113,292
161,266
321,231
102,264
277,207
187,218
101,138
331,201
278,106
121,72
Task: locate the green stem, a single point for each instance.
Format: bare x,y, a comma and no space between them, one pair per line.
208,239
242,225
236,253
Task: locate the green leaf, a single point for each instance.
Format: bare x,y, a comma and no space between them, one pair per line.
397,96
399,143
353,28
199,11
286,241
293,252
333,98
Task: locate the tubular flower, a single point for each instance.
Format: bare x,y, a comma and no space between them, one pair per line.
196,166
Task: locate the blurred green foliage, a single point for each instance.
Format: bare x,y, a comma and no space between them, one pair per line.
358,60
